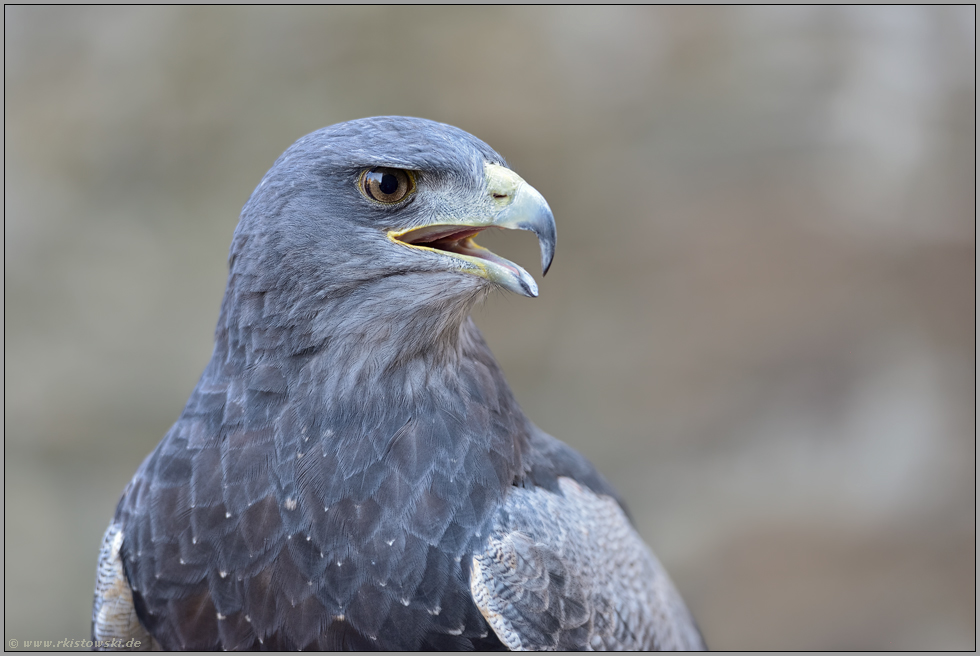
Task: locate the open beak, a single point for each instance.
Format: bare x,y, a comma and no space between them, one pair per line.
518,206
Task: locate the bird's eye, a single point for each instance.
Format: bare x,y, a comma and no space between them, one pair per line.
386,185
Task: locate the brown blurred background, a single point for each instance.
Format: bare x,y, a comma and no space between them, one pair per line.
759,324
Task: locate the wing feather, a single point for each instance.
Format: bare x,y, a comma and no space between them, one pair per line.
566,570
114,621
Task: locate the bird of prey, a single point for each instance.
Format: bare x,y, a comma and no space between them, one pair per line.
352,471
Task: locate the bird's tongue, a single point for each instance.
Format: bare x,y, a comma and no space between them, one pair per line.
457,239
434,236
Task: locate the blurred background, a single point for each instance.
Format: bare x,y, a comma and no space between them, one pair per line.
760,322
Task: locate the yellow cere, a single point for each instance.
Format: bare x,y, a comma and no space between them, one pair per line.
502,183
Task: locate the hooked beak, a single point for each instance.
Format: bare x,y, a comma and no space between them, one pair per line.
516,206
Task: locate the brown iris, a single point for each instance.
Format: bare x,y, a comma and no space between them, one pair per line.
386,185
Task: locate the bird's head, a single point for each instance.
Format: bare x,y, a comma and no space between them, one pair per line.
378,217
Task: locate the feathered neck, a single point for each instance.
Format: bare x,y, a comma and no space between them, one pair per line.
357,367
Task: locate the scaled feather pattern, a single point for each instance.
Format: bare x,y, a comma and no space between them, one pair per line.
352,470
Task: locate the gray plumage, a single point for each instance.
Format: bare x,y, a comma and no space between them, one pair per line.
565,570
352,464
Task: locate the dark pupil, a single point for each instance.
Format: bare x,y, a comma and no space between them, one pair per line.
389,184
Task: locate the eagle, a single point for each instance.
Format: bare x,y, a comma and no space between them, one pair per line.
352,470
